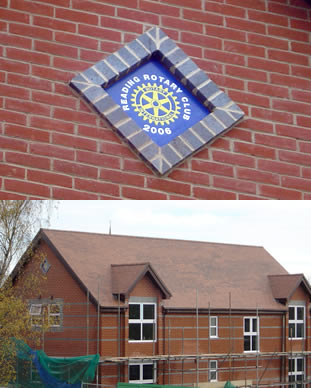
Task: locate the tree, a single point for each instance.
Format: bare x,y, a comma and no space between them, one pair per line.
19,220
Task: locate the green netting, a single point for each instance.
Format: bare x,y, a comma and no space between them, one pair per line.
229,385
36,369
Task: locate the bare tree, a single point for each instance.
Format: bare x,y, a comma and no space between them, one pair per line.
19,221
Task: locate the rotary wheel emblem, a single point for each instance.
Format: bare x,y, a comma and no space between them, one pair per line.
155,104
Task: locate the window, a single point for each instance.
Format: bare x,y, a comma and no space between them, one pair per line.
142,373
213,327
212,370
142,321
296,321
251,334
36,315
296,372
54,315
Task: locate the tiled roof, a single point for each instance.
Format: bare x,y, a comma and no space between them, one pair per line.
283,286
216,270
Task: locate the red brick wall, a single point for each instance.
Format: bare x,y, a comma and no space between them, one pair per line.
52,146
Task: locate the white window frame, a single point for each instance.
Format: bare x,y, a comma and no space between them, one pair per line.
54,314
213,327
143,321
141,371
251,333
36,310
212,368
296,321
296,372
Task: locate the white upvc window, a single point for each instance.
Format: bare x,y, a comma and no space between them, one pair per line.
212,370
296,321
142,373
36,314
54,315
213,327
251,334
296,372
142,322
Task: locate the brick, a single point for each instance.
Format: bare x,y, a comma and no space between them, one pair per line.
212,194
304,121
162,9
120,24
29,56
54,24
243,72
13,66
12,117
268,18
296,183
300,25
288,33
14,16
295,157
62,193
279,167
226,33
301,48
116,149
275,141
257,176
267,41
245,25
212,168
26,133
11,171
234,185
74,142
76,16
32,8
293,131
288,57
203,17
97,187
27,107
51,74
279,193
139,194
32,31
291,106
290,81
93,7
268,65
15,41
255,150
192,177
56,49
13,144
70,64
49,178
54,99
51,124
268,89
51,151
28,160
231,158
201,40
196,4
260,5
75,169
227,9
301,71
27,188
98,159
168,186
13,91
76,40
222,56
29,82
249,98
245,49
272,115
306,173
99,32
120,177
182,24
286,10
75,116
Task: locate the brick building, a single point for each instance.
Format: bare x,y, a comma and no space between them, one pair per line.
53,146
173,311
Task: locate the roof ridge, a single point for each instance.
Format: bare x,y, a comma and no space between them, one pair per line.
153,238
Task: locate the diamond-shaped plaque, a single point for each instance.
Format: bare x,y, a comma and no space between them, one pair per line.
158,100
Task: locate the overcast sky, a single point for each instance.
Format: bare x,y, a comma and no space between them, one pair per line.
281,227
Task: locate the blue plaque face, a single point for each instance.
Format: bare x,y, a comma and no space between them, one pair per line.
157,102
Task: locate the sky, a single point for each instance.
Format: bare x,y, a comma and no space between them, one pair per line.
283,228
